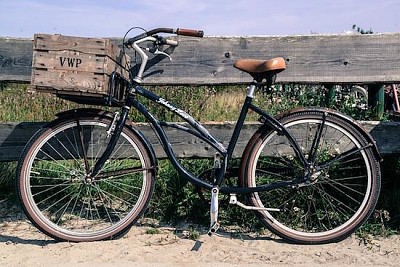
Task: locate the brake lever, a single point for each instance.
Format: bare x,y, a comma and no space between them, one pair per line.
155,51
158,52
153,48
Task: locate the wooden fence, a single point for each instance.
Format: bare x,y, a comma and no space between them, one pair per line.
14,136
357,58
314,59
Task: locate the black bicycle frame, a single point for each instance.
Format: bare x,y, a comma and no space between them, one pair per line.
202,133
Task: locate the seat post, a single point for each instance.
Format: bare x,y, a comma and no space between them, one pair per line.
251,89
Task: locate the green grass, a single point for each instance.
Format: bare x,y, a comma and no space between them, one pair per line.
18,104
152,231
204,103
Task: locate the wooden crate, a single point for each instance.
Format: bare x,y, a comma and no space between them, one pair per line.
76,68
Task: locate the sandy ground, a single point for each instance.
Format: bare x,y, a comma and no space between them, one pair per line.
21,244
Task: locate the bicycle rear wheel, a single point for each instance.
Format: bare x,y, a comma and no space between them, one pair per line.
344,182
61,200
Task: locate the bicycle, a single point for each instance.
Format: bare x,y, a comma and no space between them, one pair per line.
311,175
355,94
392,104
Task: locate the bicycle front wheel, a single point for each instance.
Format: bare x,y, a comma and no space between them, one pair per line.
342,187
61,200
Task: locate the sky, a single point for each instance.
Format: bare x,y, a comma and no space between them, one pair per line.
112,18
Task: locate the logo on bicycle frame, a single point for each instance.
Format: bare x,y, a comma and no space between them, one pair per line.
180,112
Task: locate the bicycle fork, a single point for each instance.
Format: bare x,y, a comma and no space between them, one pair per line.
114,131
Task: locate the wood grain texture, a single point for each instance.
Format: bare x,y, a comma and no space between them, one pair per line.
48,80
93,46
309,59
14,136
15,59
74,64
368,58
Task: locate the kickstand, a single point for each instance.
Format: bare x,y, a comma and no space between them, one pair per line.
214,225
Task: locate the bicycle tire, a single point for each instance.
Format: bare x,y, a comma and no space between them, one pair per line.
360,96
55,191
337,200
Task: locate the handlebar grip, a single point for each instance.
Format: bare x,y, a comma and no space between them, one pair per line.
188,32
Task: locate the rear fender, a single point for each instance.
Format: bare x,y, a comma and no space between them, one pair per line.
342,116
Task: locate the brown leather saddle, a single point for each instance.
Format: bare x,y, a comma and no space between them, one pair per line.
261,69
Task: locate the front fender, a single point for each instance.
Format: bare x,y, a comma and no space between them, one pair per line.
85,111
104,113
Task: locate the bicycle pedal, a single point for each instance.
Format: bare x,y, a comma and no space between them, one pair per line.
213,229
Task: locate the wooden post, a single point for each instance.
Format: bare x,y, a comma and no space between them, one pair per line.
376,99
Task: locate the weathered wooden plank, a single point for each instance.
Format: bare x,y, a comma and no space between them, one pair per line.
58,60
310,59
357,58
93,46
49,80
386,135
14,136
15,59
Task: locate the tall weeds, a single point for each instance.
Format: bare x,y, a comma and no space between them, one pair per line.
205,103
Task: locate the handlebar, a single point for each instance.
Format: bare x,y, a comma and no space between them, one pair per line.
183,32
157,40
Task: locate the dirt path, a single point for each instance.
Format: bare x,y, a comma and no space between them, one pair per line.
22,245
